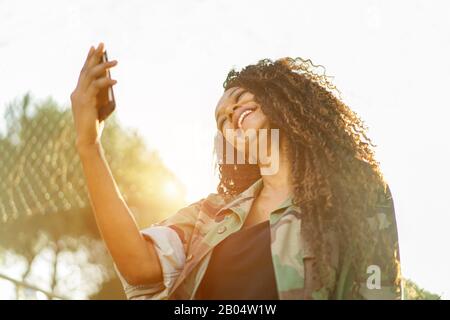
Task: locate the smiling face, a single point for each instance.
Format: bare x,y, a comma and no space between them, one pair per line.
236,113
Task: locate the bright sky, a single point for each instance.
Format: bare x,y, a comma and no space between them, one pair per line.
390,60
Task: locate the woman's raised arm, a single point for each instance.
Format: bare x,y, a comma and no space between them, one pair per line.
134,256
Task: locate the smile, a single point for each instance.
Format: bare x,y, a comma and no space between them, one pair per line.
242,117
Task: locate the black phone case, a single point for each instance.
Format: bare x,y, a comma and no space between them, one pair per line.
106,96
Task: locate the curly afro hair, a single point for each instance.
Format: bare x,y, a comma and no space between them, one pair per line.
336,179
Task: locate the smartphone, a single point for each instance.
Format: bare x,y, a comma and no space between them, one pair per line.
106,96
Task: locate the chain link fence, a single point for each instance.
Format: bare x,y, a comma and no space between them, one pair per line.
44,204
39,169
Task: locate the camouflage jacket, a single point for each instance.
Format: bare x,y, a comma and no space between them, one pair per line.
185,240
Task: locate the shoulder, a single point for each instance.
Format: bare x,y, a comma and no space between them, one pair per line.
213,203
209,205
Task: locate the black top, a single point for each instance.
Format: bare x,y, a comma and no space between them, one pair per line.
241,267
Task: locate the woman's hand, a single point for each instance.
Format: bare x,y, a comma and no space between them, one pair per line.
84,99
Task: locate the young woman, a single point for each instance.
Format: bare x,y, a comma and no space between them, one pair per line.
320,226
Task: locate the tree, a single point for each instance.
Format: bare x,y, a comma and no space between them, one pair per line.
413,292
47,228
48,235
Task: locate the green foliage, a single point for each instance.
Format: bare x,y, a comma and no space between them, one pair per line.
44,205
413,292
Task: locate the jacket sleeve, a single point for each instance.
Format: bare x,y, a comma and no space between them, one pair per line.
171,239
380,278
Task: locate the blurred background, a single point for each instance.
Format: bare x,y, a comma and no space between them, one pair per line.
389,59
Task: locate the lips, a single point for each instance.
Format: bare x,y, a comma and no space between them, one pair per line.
237,120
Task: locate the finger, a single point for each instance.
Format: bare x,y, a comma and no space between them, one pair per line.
99,84
91,51
95,57
100,69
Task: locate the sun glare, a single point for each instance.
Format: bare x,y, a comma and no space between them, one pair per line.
170,189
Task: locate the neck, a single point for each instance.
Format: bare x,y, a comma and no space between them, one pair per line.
280,181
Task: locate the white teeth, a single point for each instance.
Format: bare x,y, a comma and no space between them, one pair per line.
242,116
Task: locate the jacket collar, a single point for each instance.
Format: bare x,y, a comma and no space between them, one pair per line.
242,203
